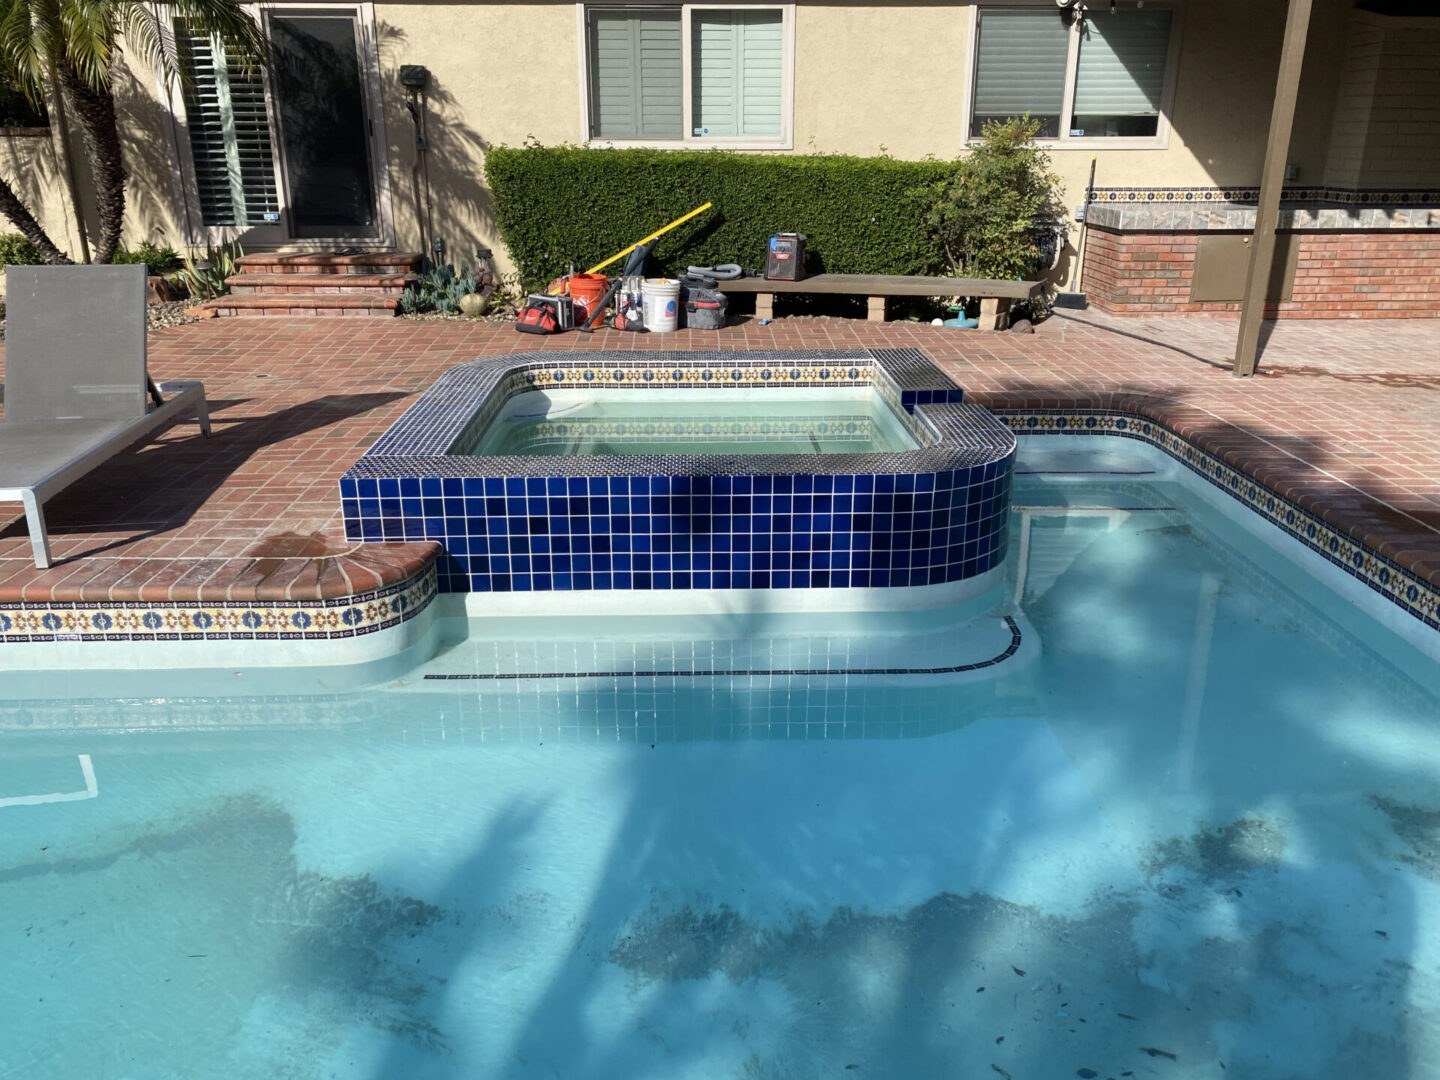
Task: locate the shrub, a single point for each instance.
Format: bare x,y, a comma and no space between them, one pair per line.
555,205
15,250
158,261
984,215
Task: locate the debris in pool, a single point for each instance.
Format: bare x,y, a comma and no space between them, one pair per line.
1378,933
1001,1071
999,1039
852,1066
1086,1073
1155,1051
1127,1016
979,989
1018,971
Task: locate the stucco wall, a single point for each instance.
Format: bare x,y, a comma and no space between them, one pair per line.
32,165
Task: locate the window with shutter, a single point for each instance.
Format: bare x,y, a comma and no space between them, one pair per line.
738,78
1120,75
229,135
1020,68
1083,73
731,63
635,75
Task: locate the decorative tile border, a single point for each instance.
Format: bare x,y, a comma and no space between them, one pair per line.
1395,583
294,620
1245,194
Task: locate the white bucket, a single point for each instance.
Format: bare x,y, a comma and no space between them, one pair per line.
661,301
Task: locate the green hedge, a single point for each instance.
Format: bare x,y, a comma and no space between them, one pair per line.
569,204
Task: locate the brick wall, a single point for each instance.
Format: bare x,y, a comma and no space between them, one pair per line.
1385,274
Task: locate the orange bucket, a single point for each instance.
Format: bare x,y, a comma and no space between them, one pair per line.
587,290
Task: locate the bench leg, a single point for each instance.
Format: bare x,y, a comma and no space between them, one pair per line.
994,313
202,414
764,305
35,519
876,312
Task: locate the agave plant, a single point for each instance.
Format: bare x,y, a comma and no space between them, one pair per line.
438,289
205,278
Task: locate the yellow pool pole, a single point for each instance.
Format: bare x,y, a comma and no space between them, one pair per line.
655,235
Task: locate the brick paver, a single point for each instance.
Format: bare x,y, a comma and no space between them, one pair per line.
1344,417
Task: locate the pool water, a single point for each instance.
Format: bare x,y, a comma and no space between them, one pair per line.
1196,833
571,423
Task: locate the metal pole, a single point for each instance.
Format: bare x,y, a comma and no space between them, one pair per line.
1272,179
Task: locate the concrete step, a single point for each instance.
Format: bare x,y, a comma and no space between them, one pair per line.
370,262
302,304
249,283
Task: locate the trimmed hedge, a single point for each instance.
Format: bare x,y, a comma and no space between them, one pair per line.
557,205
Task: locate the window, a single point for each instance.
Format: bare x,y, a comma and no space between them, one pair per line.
689,75
229,135
1084,75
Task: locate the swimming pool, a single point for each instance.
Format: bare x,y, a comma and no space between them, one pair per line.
1190,819
574,422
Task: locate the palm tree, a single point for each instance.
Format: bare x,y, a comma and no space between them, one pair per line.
74,46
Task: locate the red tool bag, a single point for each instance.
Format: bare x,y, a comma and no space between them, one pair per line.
546,314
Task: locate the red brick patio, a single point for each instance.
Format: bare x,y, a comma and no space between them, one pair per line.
1344,418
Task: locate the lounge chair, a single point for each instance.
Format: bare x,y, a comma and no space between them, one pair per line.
76,390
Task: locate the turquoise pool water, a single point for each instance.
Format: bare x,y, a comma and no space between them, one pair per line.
1199,826
570,423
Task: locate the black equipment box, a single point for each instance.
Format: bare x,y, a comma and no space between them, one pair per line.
785,261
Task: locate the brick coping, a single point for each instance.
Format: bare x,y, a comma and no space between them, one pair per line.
1385,548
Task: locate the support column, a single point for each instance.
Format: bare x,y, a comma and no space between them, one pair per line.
876,310
1272,180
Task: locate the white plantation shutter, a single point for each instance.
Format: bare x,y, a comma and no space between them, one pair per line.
1020,67
1122,64
229,135
635,75
738,61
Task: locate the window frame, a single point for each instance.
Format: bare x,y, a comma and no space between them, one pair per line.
1159,141
688,140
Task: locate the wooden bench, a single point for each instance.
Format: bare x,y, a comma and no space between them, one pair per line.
994,303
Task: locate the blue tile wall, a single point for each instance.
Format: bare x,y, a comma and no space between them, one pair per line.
923,517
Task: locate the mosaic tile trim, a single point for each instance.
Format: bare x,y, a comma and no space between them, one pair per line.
1399,586
952,669
1218,216
925,516
1245,194
295,620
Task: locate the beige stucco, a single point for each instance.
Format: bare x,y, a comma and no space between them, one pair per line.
868,79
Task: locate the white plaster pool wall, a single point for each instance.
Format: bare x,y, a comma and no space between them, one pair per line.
1039,453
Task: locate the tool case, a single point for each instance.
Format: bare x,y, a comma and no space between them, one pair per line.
545,314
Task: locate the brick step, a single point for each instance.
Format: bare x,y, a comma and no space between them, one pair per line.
371,262
303,303
265,284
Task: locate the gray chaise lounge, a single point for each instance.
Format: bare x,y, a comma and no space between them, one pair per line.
75,388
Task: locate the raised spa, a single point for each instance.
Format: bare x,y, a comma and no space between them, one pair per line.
693,471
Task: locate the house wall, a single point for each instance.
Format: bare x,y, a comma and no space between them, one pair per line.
879,78
1388,115
31,163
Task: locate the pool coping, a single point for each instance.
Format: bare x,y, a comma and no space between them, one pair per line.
279,587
